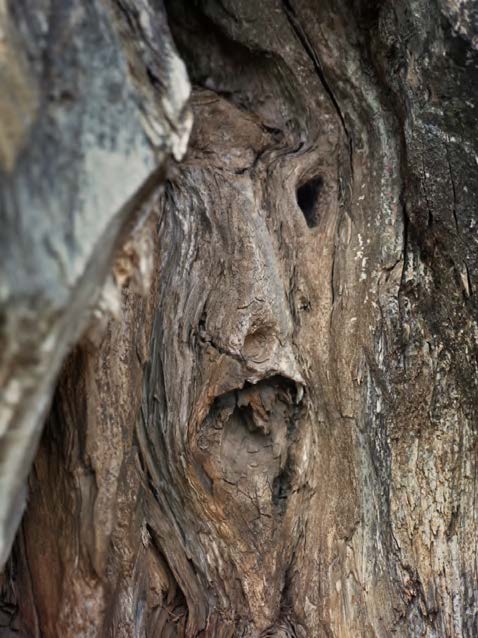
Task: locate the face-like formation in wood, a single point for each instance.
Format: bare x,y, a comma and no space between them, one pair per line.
236,416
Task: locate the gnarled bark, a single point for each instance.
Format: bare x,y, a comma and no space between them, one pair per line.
279,439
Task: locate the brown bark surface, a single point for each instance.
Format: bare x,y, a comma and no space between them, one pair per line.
278,435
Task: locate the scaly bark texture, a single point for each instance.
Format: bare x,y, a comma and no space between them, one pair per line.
279,438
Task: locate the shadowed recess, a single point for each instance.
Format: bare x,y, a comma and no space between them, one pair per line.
308,197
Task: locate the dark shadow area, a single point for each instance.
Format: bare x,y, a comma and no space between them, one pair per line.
308,197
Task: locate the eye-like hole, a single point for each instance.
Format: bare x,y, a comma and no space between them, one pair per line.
308,200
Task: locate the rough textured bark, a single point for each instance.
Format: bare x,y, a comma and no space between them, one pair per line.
279,438
93,101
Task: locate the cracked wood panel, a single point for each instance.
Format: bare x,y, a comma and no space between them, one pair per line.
301,460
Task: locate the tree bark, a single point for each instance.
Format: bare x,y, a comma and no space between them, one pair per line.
94,99
278,435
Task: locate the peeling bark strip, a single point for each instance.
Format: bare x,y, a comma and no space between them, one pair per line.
83,135
279,438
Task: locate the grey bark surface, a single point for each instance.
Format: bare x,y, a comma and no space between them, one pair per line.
278,434
83,135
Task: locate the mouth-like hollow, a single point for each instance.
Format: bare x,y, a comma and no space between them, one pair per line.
247,436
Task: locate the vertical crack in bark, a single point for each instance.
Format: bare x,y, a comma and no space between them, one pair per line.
312,54
453,188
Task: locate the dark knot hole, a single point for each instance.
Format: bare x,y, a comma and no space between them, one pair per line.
308,200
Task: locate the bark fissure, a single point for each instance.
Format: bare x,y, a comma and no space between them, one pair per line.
312,54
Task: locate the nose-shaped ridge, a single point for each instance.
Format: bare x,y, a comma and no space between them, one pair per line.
265,354
259,332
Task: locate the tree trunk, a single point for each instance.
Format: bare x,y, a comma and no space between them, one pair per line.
278,435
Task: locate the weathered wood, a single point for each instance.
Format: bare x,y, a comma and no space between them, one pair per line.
93,100
279,439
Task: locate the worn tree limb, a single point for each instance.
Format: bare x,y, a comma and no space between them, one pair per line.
87,121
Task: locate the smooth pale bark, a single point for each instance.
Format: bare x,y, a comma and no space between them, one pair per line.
278,435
